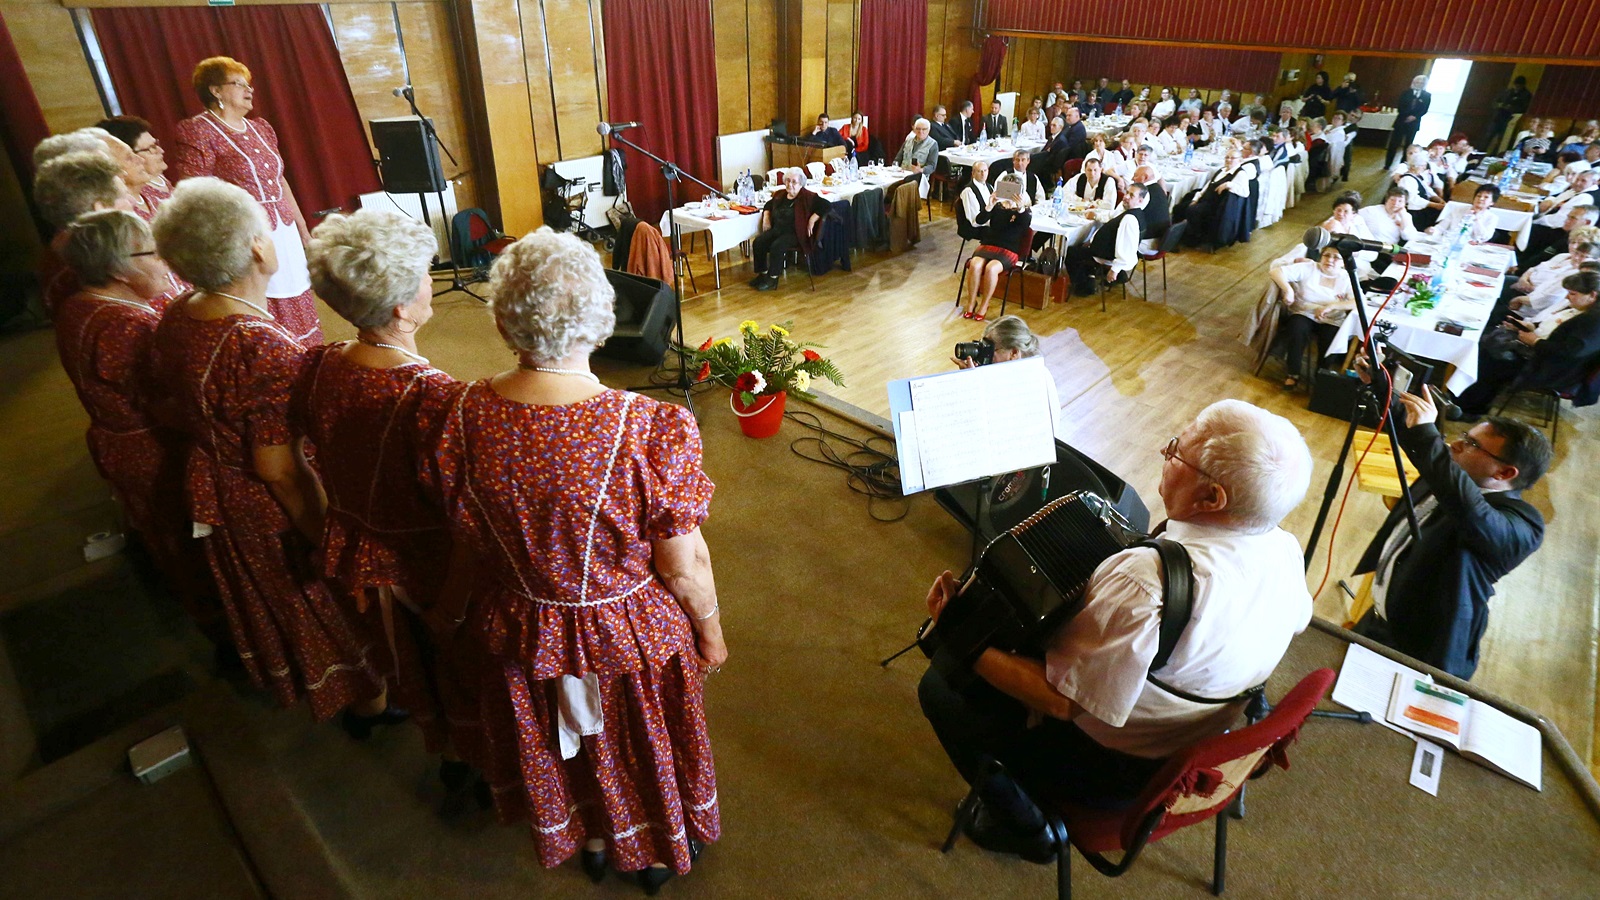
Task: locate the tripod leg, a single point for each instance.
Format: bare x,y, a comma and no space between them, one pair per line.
1335,478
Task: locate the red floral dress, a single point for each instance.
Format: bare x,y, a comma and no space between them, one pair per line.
206,145
561,505
386,542
105,347
231,380
176,287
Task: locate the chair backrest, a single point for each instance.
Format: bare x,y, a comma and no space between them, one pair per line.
1170,240
470,231
1200,782
816,170
1071,168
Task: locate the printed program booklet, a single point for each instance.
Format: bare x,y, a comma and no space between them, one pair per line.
1472,728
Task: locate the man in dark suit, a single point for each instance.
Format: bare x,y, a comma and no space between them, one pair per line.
1511,102
1124,94
1431,593
995,124
1410,109
941,131
825,135
966,124
1075,135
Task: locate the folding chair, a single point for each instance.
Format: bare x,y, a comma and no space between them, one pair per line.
1169,244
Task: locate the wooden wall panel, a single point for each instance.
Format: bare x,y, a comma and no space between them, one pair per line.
536,64
960,57
430,54
933,95
572,36
369,50
729,19
762,31
842,18
499,67
48,46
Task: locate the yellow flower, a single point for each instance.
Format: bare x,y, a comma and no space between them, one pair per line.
749,326
722,342
780,331
802,380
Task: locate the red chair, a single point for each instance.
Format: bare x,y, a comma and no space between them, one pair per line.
1200,783
1071,167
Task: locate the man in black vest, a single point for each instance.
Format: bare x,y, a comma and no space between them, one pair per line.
1158,211
1412,107
1431,593
1114,247
995,124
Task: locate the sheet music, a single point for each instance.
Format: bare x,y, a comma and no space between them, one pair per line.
980,422
1366,681
911,479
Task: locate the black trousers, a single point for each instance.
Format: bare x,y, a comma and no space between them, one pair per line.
1399,139
1425,217
768,248
1082,268
1493,374
1053,759
1298,332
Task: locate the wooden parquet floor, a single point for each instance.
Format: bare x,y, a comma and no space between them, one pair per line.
1133,376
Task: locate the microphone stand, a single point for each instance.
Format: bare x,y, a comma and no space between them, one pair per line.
1365,395
456,283
671,172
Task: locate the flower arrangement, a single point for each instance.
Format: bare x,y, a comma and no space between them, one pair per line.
1422,296
763,362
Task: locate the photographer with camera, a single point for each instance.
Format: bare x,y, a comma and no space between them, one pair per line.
1007,338
1088,722
1431,593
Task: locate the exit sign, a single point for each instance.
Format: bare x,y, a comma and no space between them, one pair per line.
220,2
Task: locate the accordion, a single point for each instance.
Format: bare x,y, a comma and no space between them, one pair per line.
1028,581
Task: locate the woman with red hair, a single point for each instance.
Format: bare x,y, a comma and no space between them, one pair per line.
223,143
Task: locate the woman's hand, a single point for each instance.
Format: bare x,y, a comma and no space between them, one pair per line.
943,588
1528,336
713,650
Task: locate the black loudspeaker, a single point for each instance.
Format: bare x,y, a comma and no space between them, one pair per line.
408,158
1018,495
646,317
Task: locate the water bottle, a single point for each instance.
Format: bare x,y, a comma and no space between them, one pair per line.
1058,198
1188,154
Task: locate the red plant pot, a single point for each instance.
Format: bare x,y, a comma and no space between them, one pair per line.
761,418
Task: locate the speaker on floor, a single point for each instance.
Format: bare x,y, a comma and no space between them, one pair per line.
646,317
1018,495
408,158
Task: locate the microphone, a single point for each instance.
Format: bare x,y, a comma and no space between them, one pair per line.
605,128
402,91
1317,237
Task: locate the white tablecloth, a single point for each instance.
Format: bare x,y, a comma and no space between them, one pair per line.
1001,149
1517,221
728,229
1468,300
1379,121
1181,179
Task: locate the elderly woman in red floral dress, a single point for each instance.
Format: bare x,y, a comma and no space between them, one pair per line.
593,595
223,143
384,541
104,333
135,132
229,368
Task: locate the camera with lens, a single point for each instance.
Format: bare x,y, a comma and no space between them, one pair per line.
981,351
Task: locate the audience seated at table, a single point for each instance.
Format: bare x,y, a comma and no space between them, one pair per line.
1192,104
943,132
855,134
1224,99
1587,134
1390,222
1093,184
1478,219
1213,212
1204,130
1056,138
1092,105
1166,106
1121,159
1034,190
1032,129
1422,194
1317,297
1124,94
1158,211
1544,244
966,125
1537,290
1005,228
1097,149
1560,361
995,124
1113,250
1347,219
1285,118
1459,157
974,196
1537,140
1075,134
1582,190
920,151
825,135
1172,141
790,221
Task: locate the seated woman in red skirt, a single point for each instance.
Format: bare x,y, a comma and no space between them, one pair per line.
1007,230
592,593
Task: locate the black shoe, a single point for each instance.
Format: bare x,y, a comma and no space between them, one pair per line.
999,837
652,878
766,283
360,727
455,775
594,864
757,281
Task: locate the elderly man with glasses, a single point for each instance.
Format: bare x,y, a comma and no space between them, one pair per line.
1092,721
1431,592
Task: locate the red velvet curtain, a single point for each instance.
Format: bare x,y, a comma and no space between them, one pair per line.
21,120
1142,64
989,65
301,87
892,68
661,72
1567,91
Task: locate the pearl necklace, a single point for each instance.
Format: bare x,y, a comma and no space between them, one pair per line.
240,130
255,306
420,359
134,303
578,373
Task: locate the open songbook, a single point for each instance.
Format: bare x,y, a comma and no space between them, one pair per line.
1406,700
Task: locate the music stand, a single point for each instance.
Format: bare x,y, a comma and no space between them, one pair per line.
671,172
456,282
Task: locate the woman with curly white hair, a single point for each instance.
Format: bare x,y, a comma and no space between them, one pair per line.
360,402
593,594
228,368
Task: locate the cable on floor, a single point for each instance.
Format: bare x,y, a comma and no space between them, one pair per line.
869,470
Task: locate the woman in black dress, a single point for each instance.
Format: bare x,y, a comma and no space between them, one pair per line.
1317,97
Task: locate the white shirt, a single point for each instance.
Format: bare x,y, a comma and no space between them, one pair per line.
1412,183
1240,184
1163,109
1310,295
1383,226
1558,216
1240,125
1039,195
1032,131
1547,295
1457,163
1127,248
1169,145
1250,600
1481,228
974,200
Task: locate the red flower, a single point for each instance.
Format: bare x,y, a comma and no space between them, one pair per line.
707,345
745,383
705,371
811,355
